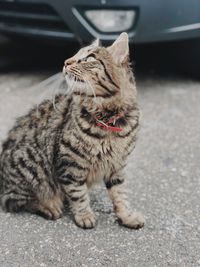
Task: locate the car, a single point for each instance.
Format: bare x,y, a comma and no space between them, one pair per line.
83,20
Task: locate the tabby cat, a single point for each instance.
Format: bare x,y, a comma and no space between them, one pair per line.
52,155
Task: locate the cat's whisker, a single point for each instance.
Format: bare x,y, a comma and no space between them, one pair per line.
87,91
93,91
70,83
73,85
54,104
54,94
86,88
55,81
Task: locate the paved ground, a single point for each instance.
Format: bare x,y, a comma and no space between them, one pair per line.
164,178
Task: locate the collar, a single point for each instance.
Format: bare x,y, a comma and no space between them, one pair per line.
112,121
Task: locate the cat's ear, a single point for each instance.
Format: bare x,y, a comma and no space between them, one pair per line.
96,43
120,49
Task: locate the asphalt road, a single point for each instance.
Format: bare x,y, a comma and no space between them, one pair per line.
164,182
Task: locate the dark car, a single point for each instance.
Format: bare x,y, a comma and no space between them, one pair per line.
83,20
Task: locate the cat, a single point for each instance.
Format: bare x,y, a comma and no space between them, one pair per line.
56,154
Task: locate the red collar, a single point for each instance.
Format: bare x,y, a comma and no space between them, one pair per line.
106,126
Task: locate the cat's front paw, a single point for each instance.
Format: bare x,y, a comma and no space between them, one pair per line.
134,220
50,208
86,220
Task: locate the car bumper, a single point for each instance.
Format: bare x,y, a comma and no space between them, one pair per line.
63,20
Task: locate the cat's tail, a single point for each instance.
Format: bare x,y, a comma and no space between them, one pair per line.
13,202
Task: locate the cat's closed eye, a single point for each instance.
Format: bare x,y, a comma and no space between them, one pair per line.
88,59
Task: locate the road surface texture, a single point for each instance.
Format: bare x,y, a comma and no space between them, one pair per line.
164,184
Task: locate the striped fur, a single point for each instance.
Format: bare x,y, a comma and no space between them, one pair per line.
50,156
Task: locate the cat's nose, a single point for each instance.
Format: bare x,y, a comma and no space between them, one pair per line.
69,61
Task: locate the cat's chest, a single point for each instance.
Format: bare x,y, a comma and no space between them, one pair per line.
108,149
107,157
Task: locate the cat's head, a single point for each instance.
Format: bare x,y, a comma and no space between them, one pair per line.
96,70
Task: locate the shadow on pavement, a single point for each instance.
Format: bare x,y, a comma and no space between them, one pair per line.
25,55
